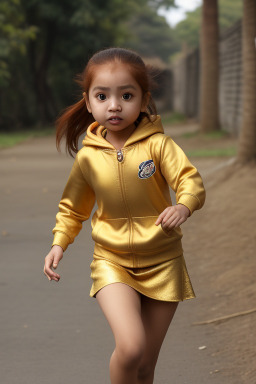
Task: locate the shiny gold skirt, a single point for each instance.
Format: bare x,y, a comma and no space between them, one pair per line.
168,281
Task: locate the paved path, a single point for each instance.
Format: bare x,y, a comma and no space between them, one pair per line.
55,333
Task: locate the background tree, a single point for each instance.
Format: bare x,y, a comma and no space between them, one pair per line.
150,35
188,30
68,32
209,109
247,142
14,35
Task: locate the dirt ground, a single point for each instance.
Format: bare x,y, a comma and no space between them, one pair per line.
222,241
38,318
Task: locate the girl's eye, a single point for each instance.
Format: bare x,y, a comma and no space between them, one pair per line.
127,96
101,97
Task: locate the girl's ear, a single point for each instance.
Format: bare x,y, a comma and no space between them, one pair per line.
87,102
145,101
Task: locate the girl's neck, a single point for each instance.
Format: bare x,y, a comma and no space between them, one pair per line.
119,138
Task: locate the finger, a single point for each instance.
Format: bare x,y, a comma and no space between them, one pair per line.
161,216
47,267
57,256
53,277
181,221
167,230
55,262
170,217
56,278
168,226
48,277
159,219
49,272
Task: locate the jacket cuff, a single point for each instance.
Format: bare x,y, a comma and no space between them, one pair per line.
61,239
190,201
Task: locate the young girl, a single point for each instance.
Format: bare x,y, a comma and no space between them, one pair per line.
127,165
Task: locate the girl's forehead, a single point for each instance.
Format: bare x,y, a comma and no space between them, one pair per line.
112,66
113,72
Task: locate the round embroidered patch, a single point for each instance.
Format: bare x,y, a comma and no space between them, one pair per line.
146,169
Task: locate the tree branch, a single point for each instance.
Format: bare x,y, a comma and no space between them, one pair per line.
224,318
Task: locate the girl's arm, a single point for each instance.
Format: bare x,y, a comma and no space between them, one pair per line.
75,207
185,180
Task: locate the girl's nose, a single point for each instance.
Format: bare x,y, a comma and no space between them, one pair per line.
114,105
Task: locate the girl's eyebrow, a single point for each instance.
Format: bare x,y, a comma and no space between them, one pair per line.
100,88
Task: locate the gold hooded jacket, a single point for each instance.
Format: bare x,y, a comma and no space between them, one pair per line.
131,188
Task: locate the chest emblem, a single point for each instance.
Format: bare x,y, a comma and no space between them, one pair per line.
146,169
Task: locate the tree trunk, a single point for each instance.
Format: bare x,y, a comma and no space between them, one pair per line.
209,103
247,141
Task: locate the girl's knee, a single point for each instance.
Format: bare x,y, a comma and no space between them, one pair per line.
130,353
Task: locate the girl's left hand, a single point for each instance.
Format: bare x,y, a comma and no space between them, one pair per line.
172,217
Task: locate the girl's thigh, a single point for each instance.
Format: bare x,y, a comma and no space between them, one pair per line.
156,317
121,306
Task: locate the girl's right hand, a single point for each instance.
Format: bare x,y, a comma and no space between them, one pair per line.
52,261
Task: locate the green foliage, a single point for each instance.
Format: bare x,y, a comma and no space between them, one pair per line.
12,138
151,36
173,118
229,12
88,27
39,72
188,30
215,152
44,44
14,35
218,134
213,137
156,4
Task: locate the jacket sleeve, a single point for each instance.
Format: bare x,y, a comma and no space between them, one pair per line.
75,207
181,176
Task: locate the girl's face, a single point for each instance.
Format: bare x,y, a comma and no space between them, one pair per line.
115,98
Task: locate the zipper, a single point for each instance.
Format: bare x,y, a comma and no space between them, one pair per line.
120,159
120,155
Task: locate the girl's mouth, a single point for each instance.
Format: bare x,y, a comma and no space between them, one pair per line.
115,119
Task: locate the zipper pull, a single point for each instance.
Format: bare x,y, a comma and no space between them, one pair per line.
120,155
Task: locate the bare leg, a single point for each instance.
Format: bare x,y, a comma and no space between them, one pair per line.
156,316
121,306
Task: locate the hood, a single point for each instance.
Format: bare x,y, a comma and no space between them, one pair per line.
145,129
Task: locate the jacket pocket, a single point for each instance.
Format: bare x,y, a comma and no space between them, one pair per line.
150,238
112,234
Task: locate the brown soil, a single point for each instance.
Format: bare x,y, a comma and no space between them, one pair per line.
222,240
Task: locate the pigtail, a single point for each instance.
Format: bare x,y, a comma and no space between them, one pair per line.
71,124
151,108
151,111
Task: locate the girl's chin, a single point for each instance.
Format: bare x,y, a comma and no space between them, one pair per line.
120,127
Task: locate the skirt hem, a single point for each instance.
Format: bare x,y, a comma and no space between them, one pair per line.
176,300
